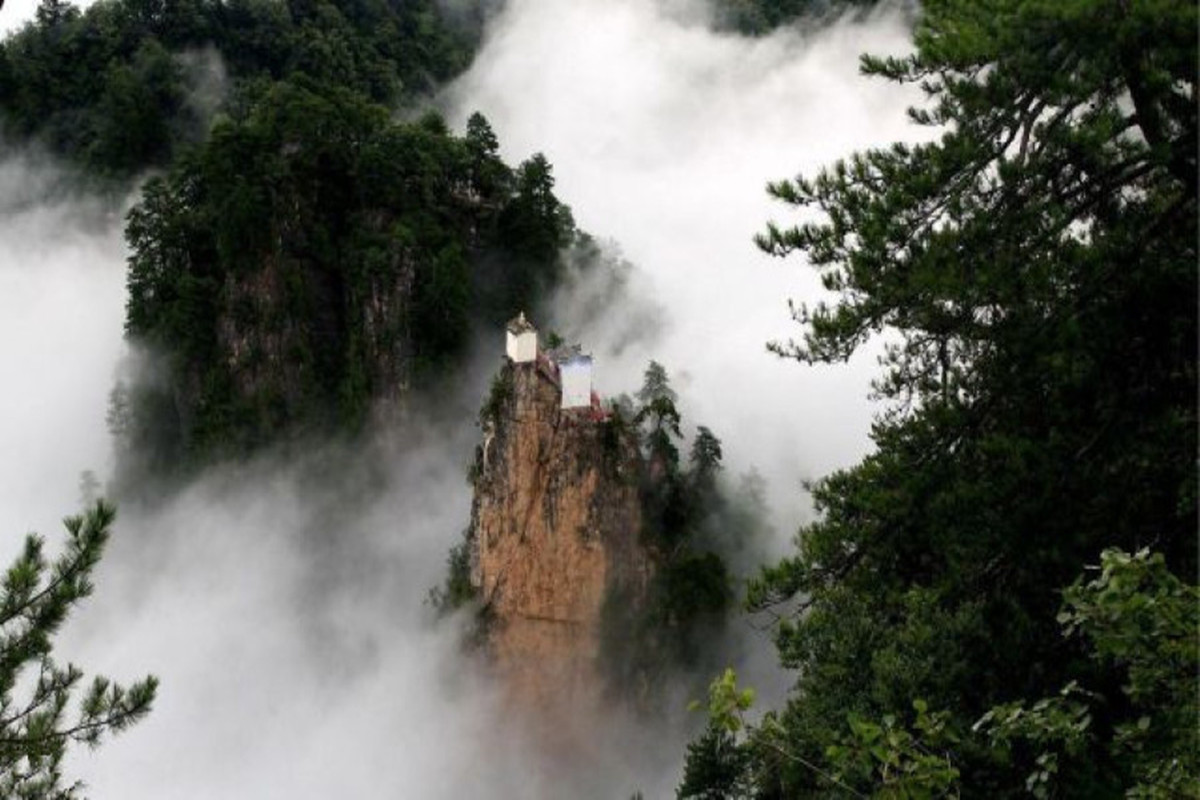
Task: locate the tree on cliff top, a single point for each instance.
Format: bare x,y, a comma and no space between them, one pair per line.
1036,266
364,248
659,418
35,598
691,588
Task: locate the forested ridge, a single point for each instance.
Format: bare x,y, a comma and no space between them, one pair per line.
303,258
114,87
312,260
757,17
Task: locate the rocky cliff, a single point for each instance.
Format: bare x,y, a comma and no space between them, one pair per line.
314,260
554,535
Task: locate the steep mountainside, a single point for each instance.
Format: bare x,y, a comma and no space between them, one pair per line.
314,259
555,531
595,560
302,259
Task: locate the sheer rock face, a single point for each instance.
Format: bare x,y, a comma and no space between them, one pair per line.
554,529
287,326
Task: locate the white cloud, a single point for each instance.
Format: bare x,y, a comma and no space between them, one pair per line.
280,605
17,12
663,136
61,312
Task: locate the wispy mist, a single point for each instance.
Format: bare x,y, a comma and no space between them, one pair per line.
282,607
281,604
15,14
61,316
663,136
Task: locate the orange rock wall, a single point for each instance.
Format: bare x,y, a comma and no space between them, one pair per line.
554,526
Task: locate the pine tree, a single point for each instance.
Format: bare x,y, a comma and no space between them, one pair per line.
706,455
490,176
715,768
35,598
659,419
1035,268
51,12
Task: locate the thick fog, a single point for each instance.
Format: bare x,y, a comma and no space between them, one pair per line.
663,136
281,604
16,13
62,307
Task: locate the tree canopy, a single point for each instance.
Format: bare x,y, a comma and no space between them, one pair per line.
298,257
116,87
1035,269
313,257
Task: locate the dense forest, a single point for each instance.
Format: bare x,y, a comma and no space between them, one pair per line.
698,525
123,86
126,84
305,257
312,259
998,601
988,605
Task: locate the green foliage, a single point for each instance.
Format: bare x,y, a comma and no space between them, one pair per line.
488,174
717,762
715,768
530,231
313,256
706,453
499,395
1135,617
109,86
648,638
656,386
615,432
1048,726
1141,622
683,527
659,419
734,759
457,591
671,503
727,703
36,596
693,585
300,255
1035,270
895,763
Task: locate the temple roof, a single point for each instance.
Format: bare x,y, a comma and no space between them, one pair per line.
519,324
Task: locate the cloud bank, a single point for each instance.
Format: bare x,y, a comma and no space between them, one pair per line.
281,604
663,135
